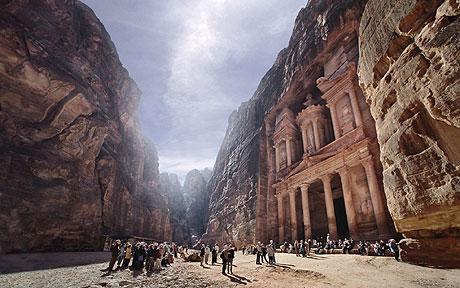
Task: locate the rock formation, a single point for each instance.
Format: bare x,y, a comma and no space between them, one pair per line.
196,203
242,203
173,191
409,70
74,166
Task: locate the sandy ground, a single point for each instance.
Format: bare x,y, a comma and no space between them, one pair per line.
292,271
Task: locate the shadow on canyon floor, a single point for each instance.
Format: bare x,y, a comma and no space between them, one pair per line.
14,263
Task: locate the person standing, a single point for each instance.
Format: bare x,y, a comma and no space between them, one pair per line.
258,253
271,254
394,248
264,253
213,255
224,257
115,251
207,252
230,257
128,255
242,249
202,253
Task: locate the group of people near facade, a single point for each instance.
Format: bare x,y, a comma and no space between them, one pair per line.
152,256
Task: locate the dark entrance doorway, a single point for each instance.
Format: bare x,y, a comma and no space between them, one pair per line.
341,218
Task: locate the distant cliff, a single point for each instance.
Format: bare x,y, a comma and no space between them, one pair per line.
74,165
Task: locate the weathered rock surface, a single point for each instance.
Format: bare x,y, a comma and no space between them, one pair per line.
239,173
409,69
196,203
74,166
173,191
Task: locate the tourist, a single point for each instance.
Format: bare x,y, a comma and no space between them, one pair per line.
202,253
224,257
128,255
230,257
264,254
271,254
213,255
157,258
115,251
243,249
121,256
274,250
296,248
302,248
394,248
346,246
150,258
258,253
207,252
217,248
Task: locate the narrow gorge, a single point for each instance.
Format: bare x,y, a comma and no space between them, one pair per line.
353,132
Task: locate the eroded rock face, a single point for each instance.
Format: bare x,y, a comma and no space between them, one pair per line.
240,182
409,70
173,191
74,166
196,203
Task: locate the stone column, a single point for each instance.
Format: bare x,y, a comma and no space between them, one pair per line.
348,199
316,134
331,221
293,214
277,157
306,211
288,152
355,107
335,121
281,239
378,202
304,139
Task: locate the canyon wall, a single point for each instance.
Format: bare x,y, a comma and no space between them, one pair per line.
239,182
196,202
409,70
173,191
74,165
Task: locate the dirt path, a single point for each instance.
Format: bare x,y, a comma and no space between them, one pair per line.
317,271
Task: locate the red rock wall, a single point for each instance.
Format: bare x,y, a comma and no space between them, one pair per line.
240,178
74,166
409,70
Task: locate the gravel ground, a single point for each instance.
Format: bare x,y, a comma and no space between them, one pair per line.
292,271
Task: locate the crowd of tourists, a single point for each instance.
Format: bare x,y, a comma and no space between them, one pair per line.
152,256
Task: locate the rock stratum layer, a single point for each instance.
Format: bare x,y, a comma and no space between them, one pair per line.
74,166
409,70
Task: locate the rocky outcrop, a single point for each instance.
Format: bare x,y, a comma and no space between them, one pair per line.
409,69
74,166
239,180
196,203
173,191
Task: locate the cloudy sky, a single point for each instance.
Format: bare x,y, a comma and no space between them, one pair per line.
195,62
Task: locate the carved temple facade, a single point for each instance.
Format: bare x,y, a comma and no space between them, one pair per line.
320,171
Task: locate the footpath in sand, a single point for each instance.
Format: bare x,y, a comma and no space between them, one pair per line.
75,270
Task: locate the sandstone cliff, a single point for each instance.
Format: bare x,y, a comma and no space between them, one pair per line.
74,166
173,191
409,70
240,174
196,203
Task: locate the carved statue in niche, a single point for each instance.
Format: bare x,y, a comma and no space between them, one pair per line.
347,119
366,208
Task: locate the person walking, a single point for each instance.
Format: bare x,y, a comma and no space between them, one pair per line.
224,257
115,251
121,256
394,248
